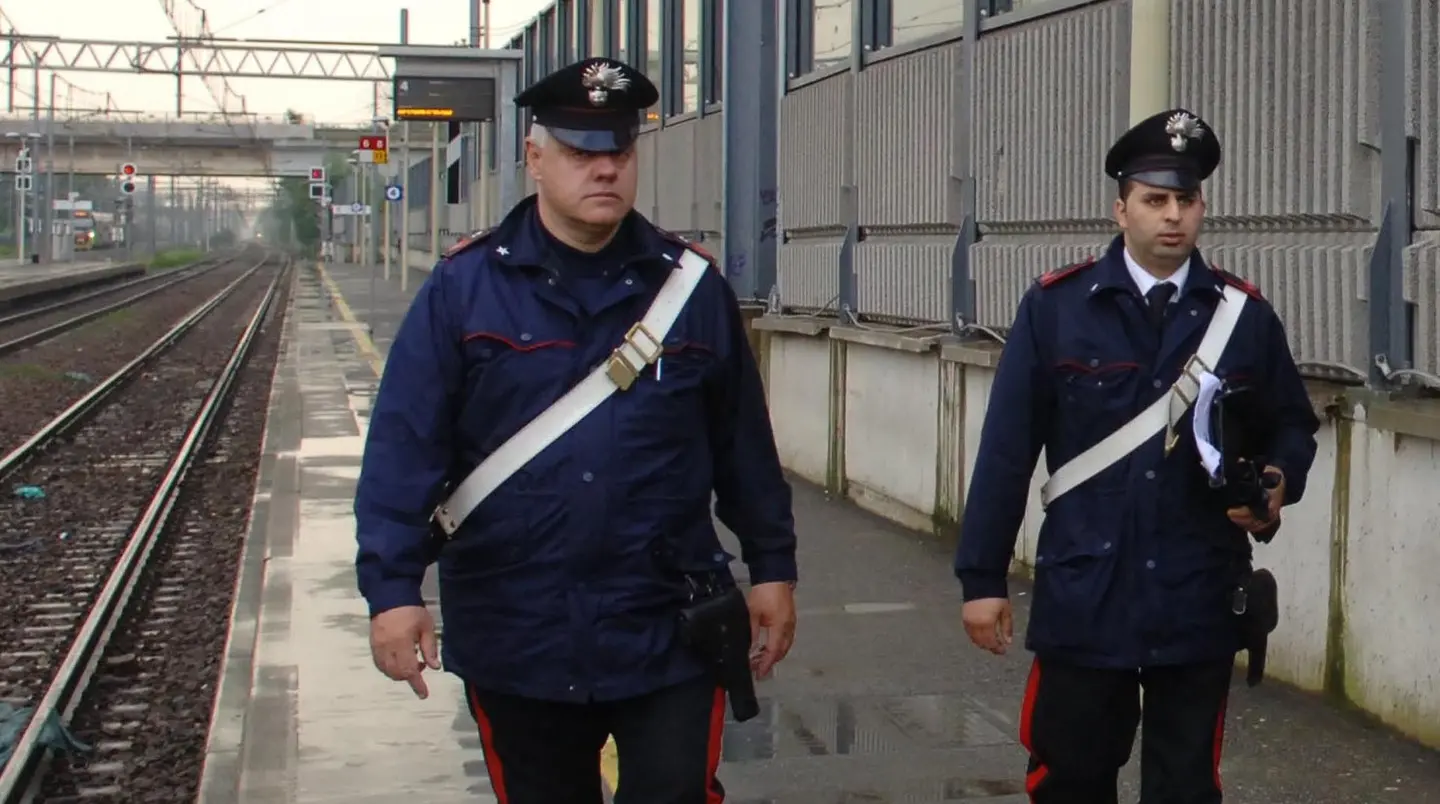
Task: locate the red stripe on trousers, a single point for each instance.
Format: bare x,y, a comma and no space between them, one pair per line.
1027,706
1027,712
712,761
487,742
1033,780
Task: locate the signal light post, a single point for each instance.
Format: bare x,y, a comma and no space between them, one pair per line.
129,175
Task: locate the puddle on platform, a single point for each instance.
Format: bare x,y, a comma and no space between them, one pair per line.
797,727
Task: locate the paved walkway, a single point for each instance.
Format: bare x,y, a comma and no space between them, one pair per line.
882,699
303,715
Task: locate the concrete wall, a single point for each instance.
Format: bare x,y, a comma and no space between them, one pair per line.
893,422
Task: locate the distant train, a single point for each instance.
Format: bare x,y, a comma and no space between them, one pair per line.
94,230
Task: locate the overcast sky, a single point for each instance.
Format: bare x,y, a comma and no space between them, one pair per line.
439,22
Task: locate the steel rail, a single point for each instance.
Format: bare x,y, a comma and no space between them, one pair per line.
33,312
84,405
59,328
66,689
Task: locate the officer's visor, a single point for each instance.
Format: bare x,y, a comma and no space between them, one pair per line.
1182,180
600,141
1164,171
594,131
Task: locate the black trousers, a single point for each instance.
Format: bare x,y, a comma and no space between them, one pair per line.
1078,723
542,752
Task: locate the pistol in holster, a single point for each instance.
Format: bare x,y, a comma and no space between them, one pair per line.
715,625
1256,602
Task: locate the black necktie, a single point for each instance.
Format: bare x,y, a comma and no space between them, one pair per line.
1156,299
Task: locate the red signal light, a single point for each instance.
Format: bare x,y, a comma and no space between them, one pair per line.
127,169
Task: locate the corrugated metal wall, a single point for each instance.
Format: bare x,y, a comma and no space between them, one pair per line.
814,166
1290,85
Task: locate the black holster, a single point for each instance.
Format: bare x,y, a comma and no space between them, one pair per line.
715,625
1256,602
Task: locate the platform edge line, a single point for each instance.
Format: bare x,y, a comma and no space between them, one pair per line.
362,339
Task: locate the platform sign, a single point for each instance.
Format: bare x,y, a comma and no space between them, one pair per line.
394,192
374,149
350,209
463,100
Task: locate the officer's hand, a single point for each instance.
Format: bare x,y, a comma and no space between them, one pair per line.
772,611
395,636
1243,517
990,623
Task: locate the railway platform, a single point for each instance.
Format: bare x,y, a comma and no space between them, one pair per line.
882,699
23,281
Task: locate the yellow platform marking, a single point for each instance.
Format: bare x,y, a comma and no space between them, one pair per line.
357,329
609,757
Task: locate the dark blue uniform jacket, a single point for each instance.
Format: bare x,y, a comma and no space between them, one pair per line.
1134,566
564,584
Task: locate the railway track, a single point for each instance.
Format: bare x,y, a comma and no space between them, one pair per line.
50,375
38,323
113,468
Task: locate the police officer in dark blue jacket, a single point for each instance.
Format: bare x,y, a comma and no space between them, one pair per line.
568,526
1138,559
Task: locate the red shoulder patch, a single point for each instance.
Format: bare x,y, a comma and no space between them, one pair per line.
464,243
1051,277
695,247
1248,288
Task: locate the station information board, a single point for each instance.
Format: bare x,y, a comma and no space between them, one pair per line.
462,100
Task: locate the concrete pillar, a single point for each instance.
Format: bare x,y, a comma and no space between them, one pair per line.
1149,58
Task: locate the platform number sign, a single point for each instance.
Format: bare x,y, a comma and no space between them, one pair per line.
374,149
394,193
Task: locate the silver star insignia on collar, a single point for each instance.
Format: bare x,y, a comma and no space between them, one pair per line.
1182,127
602,79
